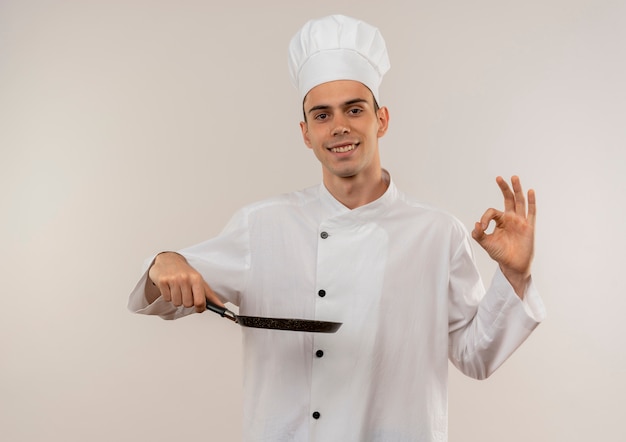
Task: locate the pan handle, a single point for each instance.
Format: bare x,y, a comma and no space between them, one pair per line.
222,311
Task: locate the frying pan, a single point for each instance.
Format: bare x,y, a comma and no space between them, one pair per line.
304,325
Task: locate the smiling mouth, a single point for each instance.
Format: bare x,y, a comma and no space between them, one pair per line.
342,149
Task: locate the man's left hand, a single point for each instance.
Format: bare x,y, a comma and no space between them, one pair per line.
511,244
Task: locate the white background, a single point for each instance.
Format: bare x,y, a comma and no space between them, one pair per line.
129,127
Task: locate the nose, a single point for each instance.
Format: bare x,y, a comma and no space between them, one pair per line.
341,126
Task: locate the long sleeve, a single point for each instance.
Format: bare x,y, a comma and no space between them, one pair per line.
485,330
222,261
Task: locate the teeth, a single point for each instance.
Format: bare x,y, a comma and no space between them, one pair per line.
342,149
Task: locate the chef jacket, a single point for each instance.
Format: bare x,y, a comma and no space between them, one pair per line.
399,275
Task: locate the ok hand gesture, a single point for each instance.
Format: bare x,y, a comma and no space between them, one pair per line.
511,244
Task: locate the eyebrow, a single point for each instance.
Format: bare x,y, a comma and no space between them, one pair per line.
327,106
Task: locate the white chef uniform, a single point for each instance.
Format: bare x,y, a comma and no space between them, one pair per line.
401,278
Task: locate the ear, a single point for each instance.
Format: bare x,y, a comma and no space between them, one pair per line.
304,128
383,120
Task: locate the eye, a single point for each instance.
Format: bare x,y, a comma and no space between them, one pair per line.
355,111
321,116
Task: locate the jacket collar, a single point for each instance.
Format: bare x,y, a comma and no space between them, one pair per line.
370,210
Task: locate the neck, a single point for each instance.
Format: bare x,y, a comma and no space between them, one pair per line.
359,190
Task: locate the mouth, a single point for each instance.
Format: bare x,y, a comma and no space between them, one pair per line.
343,148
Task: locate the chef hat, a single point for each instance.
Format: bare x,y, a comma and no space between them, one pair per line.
337,48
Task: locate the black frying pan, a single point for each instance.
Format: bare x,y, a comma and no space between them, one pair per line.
305,325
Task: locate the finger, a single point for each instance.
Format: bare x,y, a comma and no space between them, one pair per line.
509,197
211,296
488,216
199,298
478,233
201,292
520,200
532,207
176,295
186,295
165,292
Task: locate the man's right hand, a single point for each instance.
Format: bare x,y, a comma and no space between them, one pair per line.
171,276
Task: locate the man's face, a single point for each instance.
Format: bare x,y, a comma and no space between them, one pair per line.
342,128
